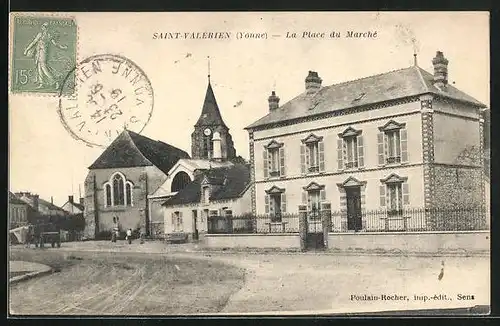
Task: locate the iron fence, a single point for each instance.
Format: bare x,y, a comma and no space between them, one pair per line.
412,219
407,219
283,223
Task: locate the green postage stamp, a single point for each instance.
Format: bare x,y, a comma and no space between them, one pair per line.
43,53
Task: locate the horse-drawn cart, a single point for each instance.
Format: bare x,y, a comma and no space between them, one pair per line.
47,233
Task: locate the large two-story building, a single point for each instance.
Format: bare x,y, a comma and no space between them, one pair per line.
401,139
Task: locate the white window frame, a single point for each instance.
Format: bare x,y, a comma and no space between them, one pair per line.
393,146
352,144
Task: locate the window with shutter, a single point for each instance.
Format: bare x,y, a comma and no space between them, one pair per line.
340,155
395,143
304,198
321,156
303,159
266,204
361,160
382,196
265,161
180,224
404,145
308,158
322,194
406,194
283,203
381,148
282,161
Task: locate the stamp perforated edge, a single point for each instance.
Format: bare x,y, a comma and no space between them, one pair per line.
12,17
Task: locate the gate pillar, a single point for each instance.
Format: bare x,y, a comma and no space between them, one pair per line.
326,220
303,227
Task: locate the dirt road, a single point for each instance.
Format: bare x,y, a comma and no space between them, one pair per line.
125,284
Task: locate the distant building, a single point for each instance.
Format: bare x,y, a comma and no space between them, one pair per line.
18,211
211,149
215,192
121,178
41,206
405,138
73,207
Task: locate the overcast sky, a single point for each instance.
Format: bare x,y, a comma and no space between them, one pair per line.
45,159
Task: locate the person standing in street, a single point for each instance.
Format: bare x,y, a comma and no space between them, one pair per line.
129,236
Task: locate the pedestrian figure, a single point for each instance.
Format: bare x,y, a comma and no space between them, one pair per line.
38,49
129,236
116,230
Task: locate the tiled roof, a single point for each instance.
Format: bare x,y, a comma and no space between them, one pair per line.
192,165
210,113
79,206
232,180
130,149
49,205
388,86
13,199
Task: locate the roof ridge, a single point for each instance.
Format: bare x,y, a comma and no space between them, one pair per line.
366,77
422,78
127,133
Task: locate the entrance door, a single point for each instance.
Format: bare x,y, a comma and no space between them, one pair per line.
353,208
315,237
195,225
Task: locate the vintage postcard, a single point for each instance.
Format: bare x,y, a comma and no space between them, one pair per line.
249,163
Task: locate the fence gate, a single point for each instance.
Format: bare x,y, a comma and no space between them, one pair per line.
314,235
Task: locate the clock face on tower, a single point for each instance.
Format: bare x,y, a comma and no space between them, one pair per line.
207,132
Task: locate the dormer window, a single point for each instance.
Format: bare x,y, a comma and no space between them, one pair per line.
350,149
312,154
274,160
392,143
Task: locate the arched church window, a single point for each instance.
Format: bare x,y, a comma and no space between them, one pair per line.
118,190
108,195
128,192
180,181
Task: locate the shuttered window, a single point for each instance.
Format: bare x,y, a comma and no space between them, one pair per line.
274,160
392,144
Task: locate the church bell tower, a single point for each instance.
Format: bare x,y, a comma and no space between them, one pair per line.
210,122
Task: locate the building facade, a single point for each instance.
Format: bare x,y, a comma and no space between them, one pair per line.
18,211
388,142
214,193
73,207
40,206
120,180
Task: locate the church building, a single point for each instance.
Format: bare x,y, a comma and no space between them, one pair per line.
217,178
135,175
119,181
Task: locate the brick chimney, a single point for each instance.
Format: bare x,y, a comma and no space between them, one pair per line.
440,64
274,101
35,201
70,199
313,82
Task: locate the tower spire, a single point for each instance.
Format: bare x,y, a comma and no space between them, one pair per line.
208,58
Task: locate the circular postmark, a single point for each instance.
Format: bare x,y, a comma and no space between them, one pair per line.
108,93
